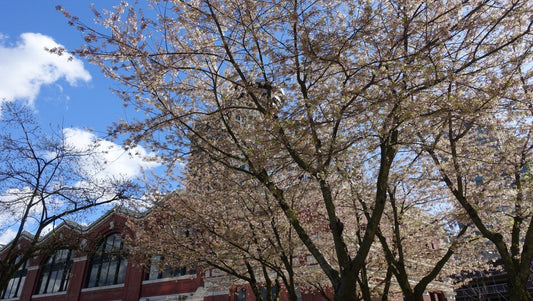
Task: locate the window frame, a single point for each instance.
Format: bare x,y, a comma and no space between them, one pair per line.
274,290
57,263
156,272
108,263
17,281
240,294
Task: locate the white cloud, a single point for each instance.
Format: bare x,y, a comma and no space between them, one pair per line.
109,160
27,66
12,206
14,202
7,236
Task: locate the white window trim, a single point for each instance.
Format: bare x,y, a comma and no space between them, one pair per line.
49,294
190,276
78,259
97,288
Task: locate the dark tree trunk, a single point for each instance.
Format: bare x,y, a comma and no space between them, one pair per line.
347,288
363,285
518,288
412,296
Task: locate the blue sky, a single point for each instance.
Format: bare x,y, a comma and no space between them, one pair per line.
71,94
88,103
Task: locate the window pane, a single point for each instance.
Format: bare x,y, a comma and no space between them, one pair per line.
157,271
55,272
108,244
273,292
168,272
107,265
92,275
44,279
117,245
111,273
7,292
104,272
154,271
121,275
240,295
20,285
62,255
57,283
66,279
51,282
14,286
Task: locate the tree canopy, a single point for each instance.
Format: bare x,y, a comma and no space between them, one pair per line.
343,95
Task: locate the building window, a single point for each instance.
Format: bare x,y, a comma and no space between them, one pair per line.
108,263
55,273
160,271
240,294
273,292
14,287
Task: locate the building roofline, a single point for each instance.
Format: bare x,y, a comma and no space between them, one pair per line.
74,226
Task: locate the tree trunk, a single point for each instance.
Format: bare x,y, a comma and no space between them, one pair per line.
518,288
347,288
292,295
363,285
414,296
386,289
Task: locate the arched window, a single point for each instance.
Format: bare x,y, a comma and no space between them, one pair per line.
14,287
108,263
55,273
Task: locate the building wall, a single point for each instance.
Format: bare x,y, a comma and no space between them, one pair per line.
187,287
133,288
197,287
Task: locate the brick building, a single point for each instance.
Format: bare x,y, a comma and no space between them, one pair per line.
99,269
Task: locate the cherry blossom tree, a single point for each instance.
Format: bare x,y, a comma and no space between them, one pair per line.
282,89
420,231
42,184
228,221
482,151
417,246
238,232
